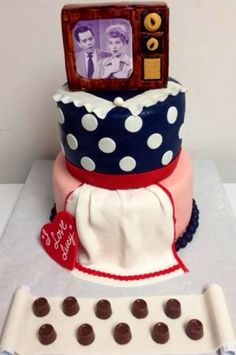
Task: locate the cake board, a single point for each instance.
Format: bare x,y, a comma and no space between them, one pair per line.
209,257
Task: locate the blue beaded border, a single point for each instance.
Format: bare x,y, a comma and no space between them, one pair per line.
190,230
53,213
183,240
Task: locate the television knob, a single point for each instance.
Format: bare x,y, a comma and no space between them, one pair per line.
152,22
152,44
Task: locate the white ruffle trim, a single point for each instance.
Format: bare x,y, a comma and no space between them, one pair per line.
101,107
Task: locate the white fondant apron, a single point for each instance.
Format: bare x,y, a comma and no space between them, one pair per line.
124,232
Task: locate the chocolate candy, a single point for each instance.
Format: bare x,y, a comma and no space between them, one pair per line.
85,334
47,334
70,306
194,329
103,309
41,307
122,333
160,333
173,308
139,309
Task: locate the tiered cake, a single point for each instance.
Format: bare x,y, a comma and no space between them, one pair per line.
122,173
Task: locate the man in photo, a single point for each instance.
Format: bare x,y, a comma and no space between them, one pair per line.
88,56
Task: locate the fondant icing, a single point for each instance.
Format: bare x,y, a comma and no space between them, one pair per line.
179,183
133,100
120,236
138,135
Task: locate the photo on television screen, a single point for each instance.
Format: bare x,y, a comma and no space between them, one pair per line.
103,48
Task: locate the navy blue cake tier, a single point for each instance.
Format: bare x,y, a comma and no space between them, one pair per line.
127,133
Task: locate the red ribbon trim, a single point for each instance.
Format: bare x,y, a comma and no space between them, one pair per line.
124,181
92,272
180,262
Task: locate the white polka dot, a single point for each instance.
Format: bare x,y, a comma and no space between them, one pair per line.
172,114
127,164
167,157
89,122
72,141
181,131
87,163
133,123
118,101
62,149
60,116
107,145
154,141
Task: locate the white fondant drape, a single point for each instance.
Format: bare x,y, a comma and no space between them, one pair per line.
124,232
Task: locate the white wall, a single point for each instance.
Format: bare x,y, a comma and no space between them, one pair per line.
202,57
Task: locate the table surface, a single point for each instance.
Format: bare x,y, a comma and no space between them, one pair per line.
210,256
9,194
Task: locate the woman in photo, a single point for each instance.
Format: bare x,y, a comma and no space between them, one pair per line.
119,64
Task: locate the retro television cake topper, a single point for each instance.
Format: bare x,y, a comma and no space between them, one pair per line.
116,46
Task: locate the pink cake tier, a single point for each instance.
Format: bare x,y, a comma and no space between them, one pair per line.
178,183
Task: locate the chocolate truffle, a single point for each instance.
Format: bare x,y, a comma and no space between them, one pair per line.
139,309
194,329
122,333
160,333
103,309
85,334
47,334
70,306
41,307
173,308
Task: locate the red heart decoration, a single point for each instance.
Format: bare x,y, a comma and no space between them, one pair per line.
60,239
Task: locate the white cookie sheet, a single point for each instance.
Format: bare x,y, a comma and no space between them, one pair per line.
20,334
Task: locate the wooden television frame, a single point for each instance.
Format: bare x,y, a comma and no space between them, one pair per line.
145,75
